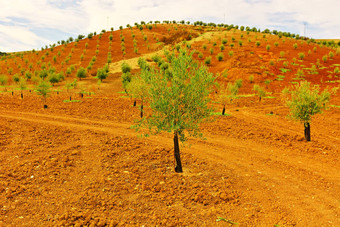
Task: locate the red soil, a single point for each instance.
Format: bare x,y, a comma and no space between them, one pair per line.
81,164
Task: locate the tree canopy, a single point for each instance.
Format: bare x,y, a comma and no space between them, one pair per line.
178,98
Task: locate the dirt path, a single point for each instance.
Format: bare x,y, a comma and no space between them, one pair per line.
306,187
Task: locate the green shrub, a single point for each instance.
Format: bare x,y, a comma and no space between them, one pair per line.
251,78
81,73
3,80
207,60
282,54
102,74
220,56
125,67
325,58
301,55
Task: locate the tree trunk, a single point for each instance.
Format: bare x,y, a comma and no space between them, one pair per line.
178,168
70,98
223,111
260,98
134,103
307,131
22,96
141,110
81,95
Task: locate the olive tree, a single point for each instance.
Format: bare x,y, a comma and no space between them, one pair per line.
43,89
126,75
259,91
178,98
138,89
81,73
229,93
304,101
102,73
22,84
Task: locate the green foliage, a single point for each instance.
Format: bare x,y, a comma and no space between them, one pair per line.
301,55
220,56
53,78
43,89
238,83
282,54
304,101
268,47
142,63
3,80
257,43
325,58
295,46
102,73
179,103
228,93
16,78
138,88
126,78
81,73
300,73
259,91
22,84
126,68
207,60
251,78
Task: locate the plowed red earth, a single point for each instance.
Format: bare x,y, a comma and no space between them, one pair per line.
80,164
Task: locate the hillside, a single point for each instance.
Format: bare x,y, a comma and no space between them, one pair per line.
245,53
79,163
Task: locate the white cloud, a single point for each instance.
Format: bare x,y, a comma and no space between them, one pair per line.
19,38
73,17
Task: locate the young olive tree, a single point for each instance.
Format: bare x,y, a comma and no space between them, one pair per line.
22,84
178,99
43,89
102,73
81,73
229,93
259,91
126,75
138,89
304,101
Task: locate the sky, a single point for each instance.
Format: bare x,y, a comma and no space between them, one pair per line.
27,25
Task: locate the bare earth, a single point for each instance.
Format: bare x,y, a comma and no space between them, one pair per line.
80,163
